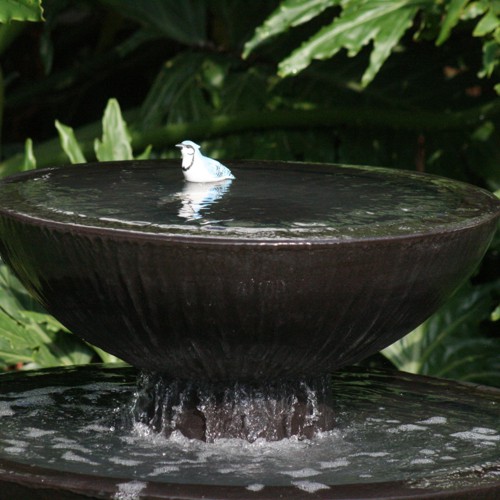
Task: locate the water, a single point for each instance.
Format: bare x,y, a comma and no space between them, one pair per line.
426,432
265,201
270,410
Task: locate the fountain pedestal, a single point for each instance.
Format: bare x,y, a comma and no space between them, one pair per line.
211,411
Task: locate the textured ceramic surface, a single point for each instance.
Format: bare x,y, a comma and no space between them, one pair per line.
198,303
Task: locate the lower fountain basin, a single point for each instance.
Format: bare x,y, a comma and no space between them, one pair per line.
291,270
68,433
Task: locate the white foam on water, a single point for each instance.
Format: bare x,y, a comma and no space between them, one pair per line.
16,442
374,454
306,472
447,458
474,435
340,462
408,428
164,470
484,430
94,428
129,491
65,440
310,486
125,461
71,446
6,409
421,461
427,452
15,450
434,421
32,432
73,457
227,470
255,487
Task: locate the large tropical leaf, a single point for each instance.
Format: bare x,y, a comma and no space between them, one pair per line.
21,10
182,21
290,13
360,22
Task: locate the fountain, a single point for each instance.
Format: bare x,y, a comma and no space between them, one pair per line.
242,303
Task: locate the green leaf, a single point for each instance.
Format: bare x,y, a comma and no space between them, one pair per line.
290,13
495,315
484,131
64,349
182,21
491,58
69,143
146,154
29,160
453,13
488,23
105,356
51,323
361,22
21,10
115,143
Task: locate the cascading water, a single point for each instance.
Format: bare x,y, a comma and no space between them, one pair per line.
210,411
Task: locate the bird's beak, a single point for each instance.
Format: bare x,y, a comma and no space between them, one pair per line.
179,145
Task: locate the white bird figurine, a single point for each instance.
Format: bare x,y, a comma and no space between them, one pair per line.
199,168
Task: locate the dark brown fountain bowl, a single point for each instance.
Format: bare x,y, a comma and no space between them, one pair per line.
292,270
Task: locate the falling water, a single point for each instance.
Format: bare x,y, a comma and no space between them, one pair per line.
210,411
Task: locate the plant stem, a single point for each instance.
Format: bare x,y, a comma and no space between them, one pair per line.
50,153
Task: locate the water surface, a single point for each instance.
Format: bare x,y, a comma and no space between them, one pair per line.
266,200
390,427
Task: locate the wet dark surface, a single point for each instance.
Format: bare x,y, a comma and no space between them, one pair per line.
396,436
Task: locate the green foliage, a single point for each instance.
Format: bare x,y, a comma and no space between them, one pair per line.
361,22
184,21
20,10
444,346
69,143
29,161
115,143
30,336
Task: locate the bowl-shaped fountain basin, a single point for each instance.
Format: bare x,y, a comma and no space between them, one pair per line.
290,270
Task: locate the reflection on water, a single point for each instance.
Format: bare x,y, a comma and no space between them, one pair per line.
427,432
197,197
299,201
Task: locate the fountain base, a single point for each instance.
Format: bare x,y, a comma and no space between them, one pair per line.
214,410
67,433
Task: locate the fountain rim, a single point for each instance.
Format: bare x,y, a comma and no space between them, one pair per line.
215,240
27,477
